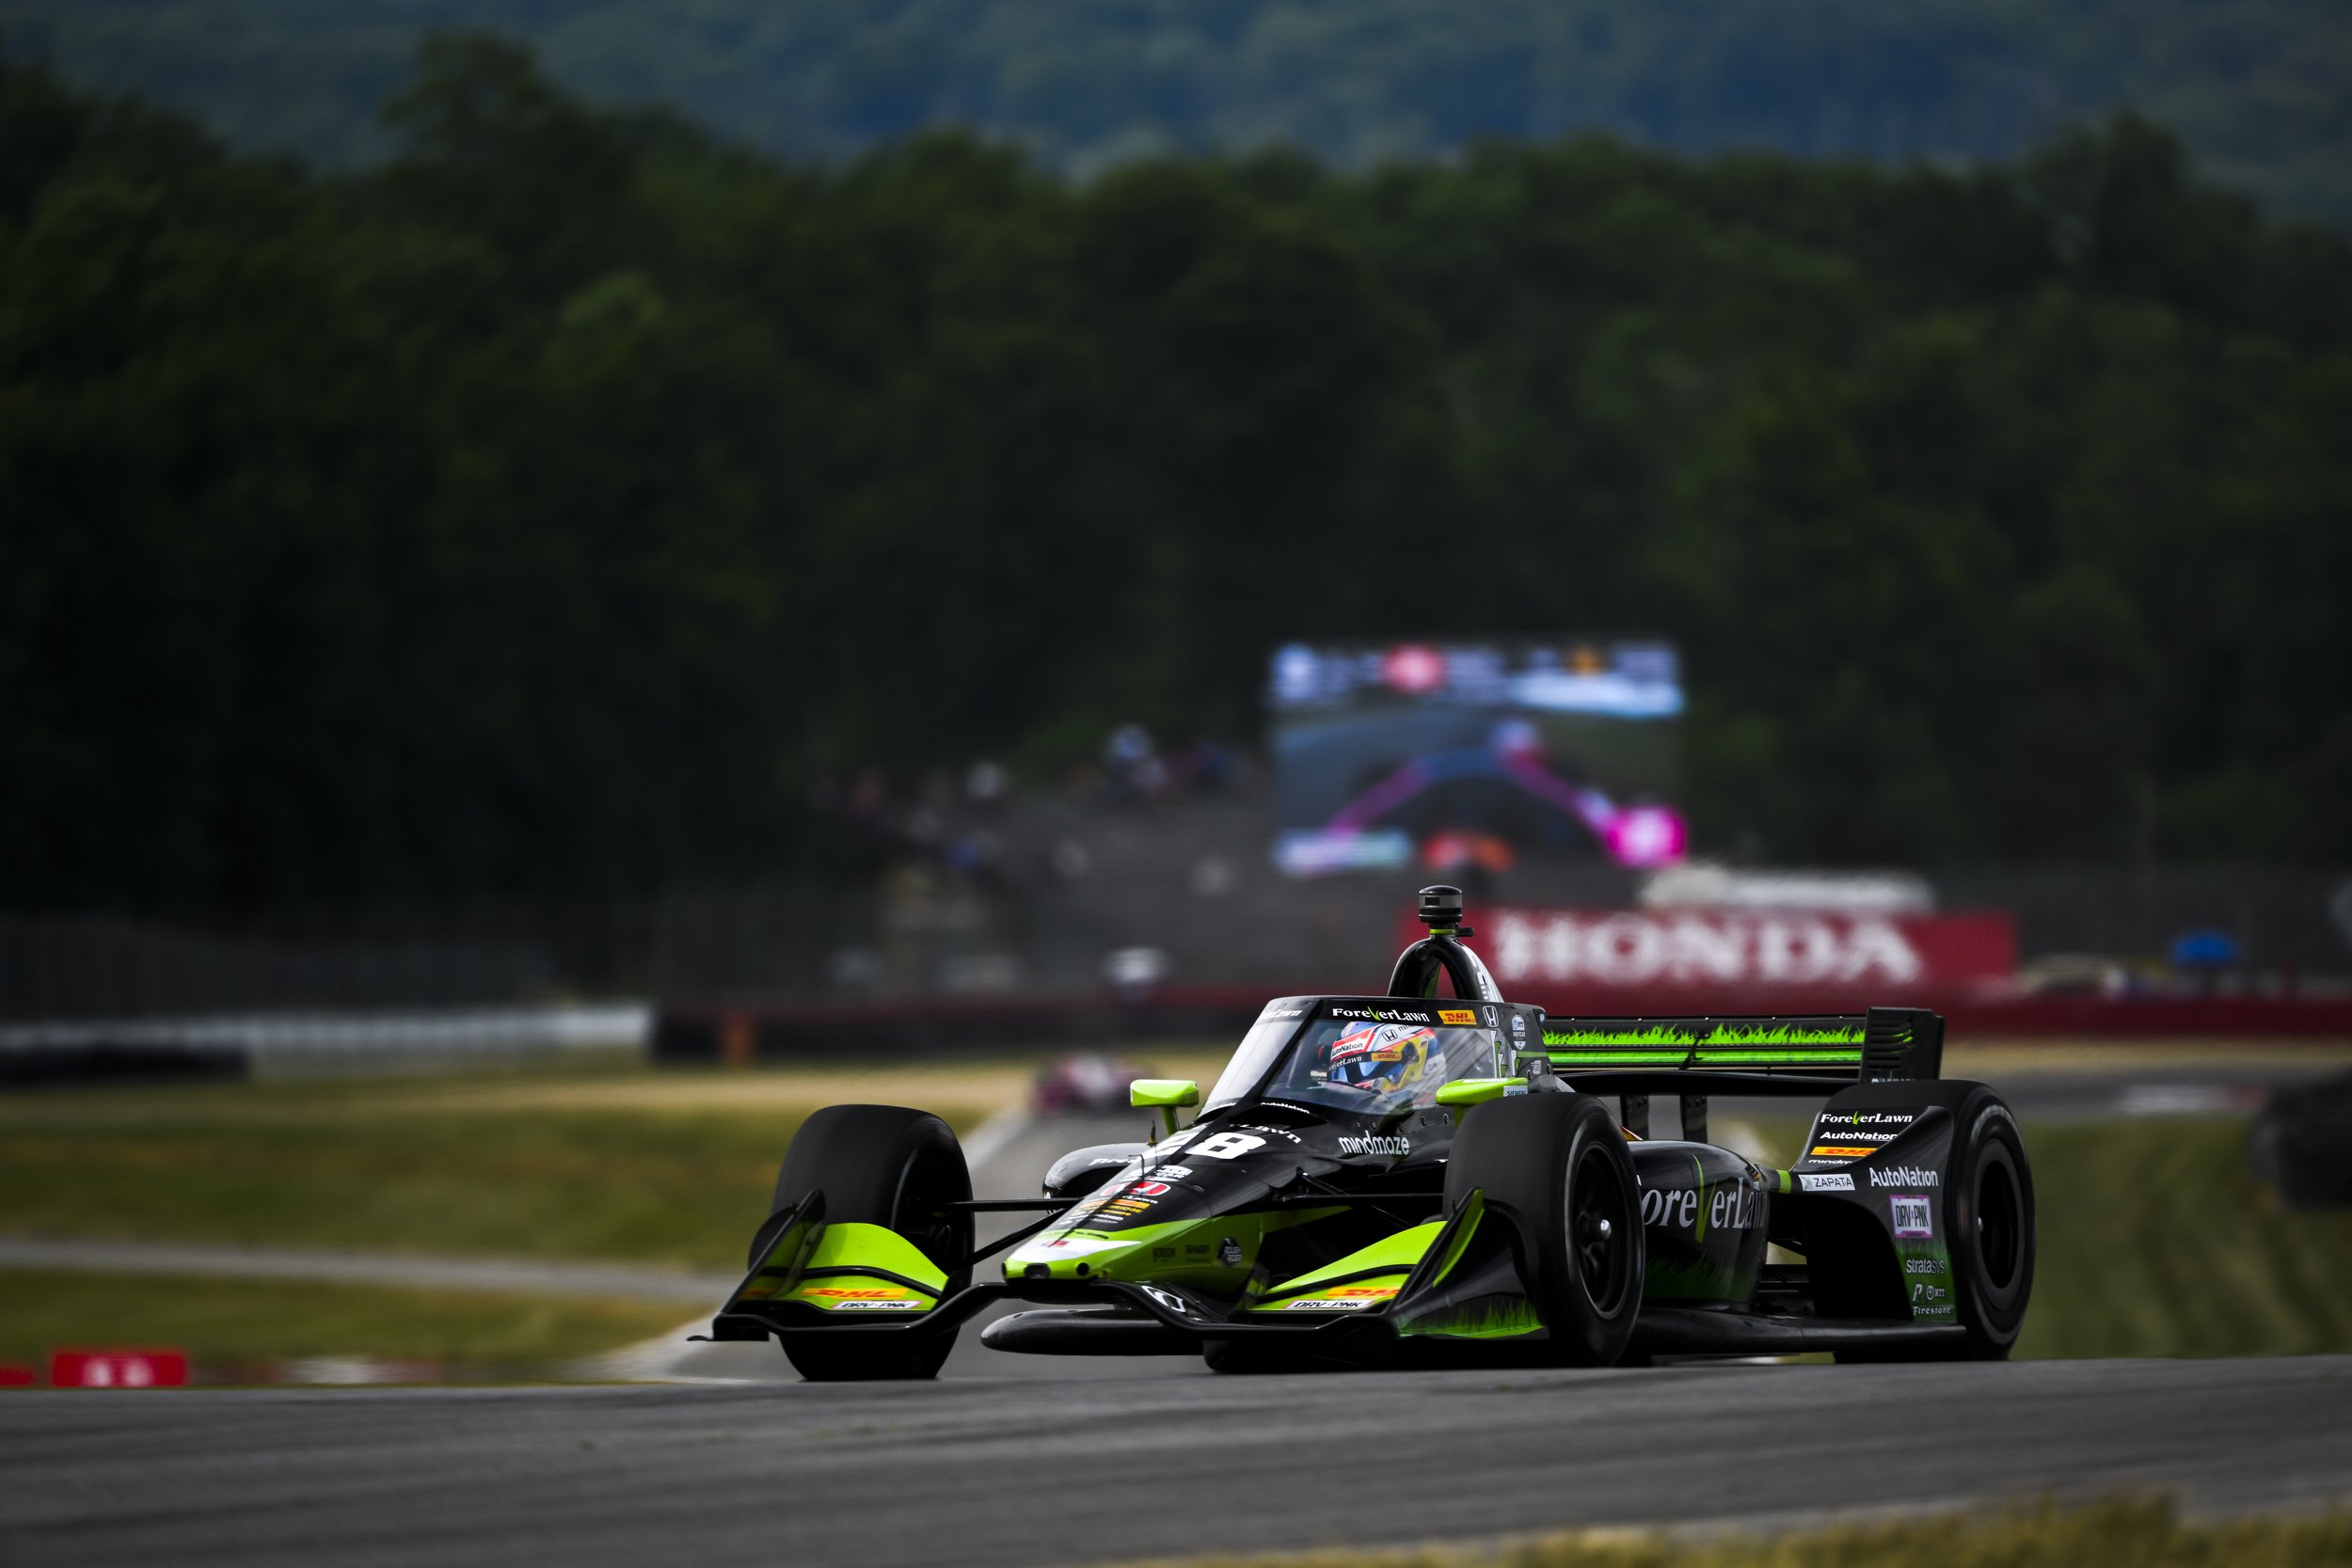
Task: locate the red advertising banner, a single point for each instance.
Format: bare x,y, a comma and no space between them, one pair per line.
117,1369
1740,949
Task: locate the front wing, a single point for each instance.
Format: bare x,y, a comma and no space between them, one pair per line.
1458,1280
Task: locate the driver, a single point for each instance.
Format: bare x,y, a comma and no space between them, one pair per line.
1382,1058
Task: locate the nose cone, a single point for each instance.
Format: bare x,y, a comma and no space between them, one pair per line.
1091,1255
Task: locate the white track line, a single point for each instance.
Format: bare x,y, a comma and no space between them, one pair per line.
994,1136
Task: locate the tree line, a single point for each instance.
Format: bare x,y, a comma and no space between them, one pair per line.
2256,88
553,507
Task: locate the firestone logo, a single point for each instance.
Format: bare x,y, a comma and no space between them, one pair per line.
1628,947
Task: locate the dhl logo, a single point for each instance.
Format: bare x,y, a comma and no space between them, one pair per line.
835,1293
1839,1151
1456,1014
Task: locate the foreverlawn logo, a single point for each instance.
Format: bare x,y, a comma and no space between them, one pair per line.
1906,1176
1730,1206
1380,1015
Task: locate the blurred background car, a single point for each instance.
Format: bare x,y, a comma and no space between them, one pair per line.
1083,1081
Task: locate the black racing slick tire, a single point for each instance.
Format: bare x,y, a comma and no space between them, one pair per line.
895,1167
1556,1165
1989,1220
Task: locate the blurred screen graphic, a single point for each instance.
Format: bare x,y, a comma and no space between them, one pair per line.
1456,756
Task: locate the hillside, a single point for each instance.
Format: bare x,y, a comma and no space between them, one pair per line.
2260,90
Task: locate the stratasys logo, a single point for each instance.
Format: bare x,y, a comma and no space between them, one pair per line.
1376,1145
1381,1015
1906,1176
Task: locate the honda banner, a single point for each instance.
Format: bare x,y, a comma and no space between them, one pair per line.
1741,948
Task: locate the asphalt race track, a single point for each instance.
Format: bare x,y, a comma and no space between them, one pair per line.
990,1472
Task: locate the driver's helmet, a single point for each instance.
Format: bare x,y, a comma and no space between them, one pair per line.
1382,1058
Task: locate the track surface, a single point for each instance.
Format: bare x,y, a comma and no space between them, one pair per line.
1024,1460
984,1473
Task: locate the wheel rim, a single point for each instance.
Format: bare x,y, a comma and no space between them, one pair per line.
1599,1224
922,1216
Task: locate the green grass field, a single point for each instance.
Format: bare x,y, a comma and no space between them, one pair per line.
2154,1238
2124,1533
226,1324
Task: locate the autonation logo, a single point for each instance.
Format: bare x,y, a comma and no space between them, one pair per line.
1906,1176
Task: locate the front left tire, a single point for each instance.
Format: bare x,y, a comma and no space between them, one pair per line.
1556,1164
894,1167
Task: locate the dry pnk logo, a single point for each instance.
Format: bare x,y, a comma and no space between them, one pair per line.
1911,1215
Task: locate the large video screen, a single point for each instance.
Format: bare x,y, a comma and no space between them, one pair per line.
1456,754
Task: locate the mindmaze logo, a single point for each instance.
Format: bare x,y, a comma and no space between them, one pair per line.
1376,1145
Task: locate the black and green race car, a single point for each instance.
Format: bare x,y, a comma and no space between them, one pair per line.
1416,1179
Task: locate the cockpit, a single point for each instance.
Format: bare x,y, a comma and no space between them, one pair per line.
1373,1056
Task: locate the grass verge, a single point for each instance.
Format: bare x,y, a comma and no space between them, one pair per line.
2115,1534
229,1321
651,1167
2156,1239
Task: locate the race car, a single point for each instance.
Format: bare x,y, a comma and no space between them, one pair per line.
1083,1081
1421,1179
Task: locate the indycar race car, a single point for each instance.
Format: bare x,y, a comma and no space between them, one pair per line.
1415,1179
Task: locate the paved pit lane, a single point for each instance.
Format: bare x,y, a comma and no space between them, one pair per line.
988,1472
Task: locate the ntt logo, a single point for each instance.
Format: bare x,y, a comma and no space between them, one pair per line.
1905,1176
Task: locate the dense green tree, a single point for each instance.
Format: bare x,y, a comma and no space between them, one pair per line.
546,509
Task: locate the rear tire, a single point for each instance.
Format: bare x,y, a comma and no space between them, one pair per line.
895,1167
1556,1164
1989,1221
1987,1215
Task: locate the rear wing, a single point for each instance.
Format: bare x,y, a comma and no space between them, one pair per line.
1754,1054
